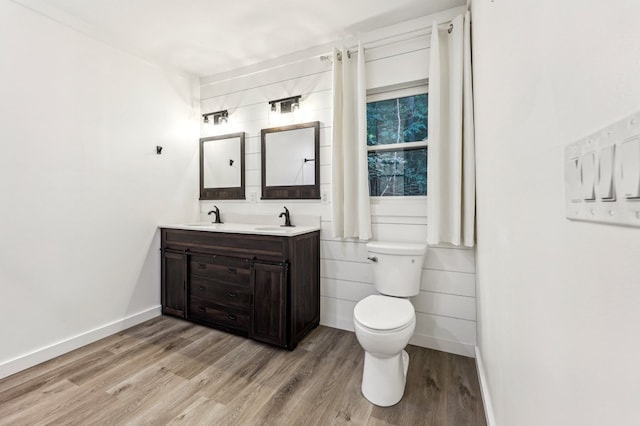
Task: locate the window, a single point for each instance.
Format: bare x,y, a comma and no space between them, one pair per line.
397,142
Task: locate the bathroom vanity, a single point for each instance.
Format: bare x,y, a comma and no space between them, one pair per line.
262,282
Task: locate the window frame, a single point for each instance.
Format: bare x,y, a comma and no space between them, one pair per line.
384,94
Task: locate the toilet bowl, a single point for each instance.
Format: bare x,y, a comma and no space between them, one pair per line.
384,323
383,338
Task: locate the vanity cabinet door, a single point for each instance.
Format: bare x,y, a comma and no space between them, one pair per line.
174,283
270,301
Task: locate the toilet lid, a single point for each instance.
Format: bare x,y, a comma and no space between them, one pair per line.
383,312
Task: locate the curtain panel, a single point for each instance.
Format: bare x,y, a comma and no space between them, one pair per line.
349,176
451,159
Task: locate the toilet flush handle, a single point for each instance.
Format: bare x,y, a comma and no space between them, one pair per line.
373,259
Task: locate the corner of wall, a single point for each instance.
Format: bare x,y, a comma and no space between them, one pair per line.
484,389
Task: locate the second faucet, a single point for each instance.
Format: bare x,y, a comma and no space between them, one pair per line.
287,218
216,211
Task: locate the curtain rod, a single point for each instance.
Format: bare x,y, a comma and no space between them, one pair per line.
327,57
422,33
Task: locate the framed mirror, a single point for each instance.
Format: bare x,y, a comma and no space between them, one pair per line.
291,161
222,167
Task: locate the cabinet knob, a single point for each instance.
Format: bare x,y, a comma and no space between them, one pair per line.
232,270
232,294
201,309
202,266
201,287
232,317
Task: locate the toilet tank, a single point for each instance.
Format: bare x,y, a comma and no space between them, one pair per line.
397,267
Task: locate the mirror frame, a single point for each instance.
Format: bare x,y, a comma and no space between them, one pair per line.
229,193
306,192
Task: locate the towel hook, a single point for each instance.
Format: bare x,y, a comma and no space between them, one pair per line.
450,28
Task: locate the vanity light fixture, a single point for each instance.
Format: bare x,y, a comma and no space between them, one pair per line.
218,117
287,105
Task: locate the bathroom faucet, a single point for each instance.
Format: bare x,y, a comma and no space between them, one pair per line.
216,211
287,218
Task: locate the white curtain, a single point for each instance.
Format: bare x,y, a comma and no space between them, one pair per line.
349,178
451,159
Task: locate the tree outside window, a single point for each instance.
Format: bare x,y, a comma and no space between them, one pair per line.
397,144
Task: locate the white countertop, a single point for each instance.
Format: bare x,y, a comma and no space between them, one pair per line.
245,228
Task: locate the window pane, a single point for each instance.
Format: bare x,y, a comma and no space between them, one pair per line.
401,172
397,120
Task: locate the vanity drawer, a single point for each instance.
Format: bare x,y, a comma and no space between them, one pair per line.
263,246
204,310
221,294
221,268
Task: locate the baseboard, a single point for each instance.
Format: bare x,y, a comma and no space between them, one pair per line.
444,345
38,356
340,324
484,389
424,341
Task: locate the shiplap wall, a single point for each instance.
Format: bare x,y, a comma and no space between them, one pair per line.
446,309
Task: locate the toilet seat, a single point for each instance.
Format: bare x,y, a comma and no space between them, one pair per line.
383,313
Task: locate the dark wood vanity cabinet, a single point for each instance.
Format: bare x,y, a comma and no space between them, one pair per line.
261,286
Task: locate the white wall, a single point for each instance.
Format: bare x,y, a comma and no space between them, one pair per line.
446,305
558,300
81,187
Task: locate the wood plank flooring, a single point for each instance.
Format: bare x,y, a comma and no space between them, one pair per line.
170,372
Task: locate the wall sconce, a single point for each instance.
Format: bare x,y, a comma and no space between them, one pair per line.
219,117
287,105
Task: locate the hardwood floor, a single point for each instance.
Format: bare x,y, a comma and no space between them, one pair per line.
168,371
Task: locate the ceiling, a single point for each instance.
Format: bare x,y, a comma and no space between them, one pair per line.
205,37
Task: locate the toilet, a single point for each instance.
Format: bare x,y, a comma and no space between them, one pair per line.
385,322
